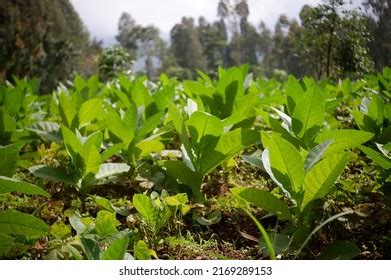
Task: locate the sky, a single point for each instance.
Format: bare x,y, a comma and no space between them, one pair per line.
101,16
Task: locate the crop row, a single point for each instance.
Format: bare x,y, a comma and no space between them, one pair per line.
300,133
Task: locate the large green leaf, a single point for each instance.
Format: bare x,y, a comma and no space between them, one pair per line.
91,159
294,93
13,185
117,249
5,243
54,174
343,139
91,248
320,178
72,143
89,111
309,113
376,110
265,200
286,164
9,156
203,128
225,147
67,108
180,171
13,101
17,223
119,130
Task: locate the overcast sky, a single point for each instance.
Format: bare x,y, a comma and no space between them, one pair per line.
101,16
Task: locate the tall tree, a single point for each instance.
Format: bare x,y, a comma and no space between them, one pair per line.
186,45
43,38
330,31
213,39
142,42
378,14
236,13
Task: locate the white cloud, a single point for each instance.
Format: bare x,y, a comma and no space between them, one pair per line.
101,16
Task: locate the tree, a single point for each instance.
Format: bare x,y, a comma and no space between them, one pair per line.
142,43
236,13
186,45
113,61
213,39
378,16
330,31
44,38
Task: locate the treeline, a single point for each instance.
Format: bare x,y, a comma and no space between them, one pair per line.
335,39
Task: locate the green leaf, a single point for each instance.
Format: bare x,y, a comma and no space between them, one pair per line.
117,249
340,250
12,185
144,205
112,150
343,139
106,223
286,164
294,92
67,109
104,203
52,174
203,127
60,230
155,216
319,179
48,130
377,157
118,129
316,154
145,148
5,243
9,156
17,223
91,161
225,147
142,252
376,110
265,200
95,139
72,144
179,171
150,124
309,114
89,111
91,248
111,169
13,101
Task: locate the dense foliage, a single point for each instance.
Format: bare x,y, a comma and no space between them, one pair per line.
43,39
137,169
